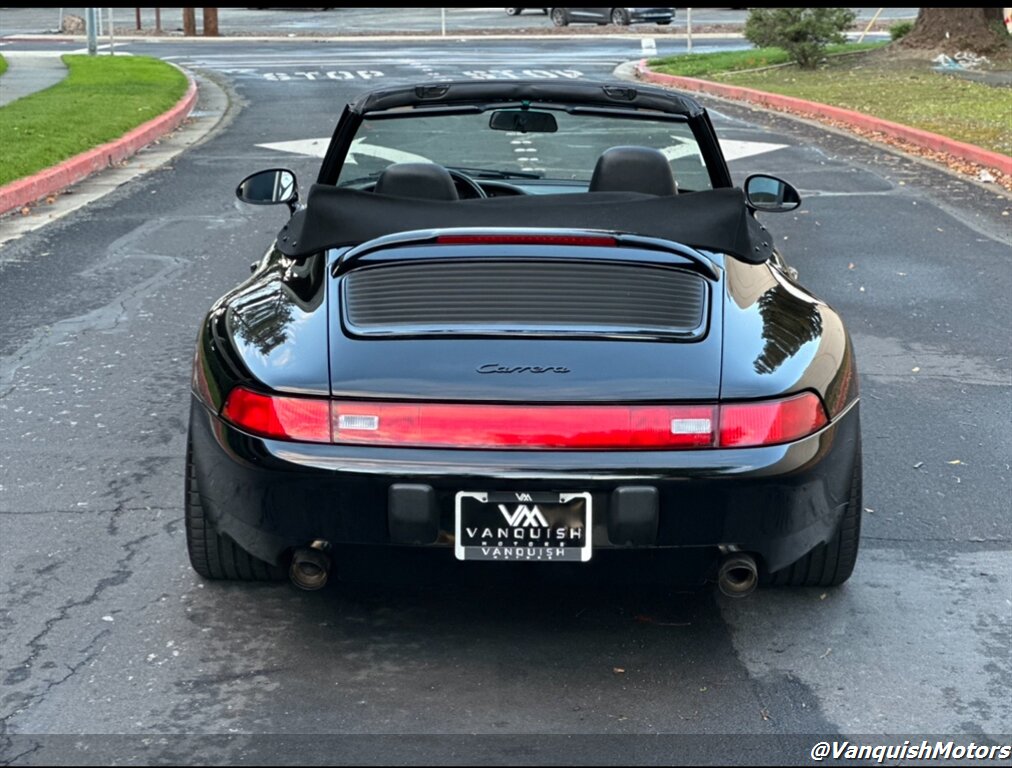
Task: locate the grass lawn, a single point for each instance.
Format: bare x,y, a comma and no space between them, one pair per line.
3,65
709,64
101,98
902,90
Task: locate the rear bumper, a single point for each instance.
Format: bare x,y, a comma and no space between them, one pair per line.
776,502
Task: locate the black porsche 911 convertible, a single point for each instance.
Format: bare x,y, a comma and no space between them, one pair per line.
524,322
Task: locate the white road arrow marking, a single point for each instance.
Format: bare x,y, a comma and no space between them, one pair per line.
736,150
318,147
733,149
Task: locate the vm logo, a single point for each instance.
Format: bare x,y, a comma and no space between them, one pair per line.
524,516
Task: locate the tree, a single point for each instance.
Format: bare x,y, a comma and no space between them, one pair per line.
980,30
803,32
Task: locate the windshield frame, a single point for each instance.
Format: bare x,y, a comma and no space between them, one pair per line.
392,108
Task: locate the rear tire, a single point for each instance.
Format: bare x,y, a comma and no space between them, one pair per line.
513,11
832,563
620,17
559,17
214,556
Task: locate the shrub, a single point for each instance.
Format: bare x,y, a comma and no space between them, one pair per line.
896,31
803,32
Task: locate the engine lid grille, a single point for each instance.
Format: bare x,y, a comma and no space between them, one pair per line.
524,297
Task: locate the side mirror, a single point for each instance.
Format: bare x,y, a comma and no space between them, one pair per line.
770,194
270,187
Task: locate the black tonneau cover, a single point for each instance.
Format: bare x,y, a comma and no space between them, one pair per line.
715,220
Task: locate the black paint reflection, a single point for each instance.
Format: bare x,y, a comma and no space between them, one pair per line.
263,320
788,324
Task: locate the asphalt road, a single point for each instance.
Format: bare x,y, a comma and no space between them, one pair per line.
113,650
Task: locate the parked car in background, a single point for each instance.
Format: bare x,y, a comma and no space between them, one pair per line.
518,11
619,16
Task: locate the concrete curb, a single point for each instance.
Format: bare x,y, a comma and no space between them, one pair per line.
915,136
58,177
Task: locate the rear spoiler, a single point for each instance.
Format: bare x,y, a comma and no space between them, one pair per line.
598,245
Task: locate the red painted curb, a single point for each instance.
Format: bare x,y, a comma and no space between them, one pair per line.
58,177
925,139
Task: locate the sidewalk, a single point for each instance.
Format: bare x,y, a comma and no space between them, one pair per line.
29,72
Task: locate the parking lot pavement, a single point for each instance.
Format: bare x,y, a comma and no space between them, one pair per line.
105,629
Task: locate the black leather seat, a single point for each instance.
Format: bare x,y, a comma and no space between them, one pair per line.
633,169
427,181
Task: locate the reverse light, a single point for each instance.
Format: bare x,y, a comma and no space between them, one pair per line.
526,427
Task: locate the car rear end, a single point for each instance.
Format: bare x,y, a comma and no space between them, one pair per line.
534,396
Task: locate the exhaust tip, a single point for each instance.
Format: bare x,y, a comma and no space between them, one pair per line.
738,575
310,568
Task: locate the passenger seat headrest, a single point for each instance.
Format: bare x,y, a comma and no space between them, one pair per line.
633,169
423,180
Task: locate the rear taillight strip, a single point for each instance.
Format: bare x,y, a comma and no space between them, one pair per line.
563,427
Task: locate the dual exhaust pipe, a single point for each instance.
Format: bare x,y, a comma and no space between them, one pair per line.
737,576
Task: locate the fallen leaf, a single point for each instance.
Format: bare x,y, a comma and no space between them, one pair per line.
868,509
823,596
851,265
764,714
828,651
618,670
954,461
918,465
915,369
25,211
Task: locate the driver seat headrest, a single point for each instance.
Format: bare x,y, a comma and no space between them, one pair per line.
633,169
423,180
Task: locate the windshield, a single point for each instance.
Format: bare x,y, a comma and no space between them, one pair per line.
468,143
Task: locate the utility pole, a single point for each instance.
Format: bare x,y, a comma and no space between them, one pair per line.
89,22
158,21
189,22
137,12
210,22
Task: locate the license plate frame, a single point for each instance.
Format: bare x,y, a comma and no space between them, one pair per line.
542,526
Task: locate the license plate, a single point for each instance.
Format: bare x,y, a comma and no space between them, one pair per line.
529,527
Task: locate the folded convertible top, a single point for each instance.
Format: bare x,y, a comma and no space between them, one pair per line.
715,220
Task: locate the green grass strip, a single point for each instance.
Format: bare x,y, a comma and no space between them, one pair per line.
706,64
902,91
3,65
102,98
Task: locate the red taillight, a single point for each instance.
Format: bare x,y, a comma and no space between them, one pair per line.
572,427
771,422
519,426
286,418
493,239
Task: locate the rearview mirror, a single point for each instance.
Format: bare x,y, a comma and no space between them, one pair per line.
523,121
770,194
270,187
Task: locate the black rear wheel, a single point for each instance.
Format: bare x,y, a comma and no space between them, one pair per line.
559,17
619,17
214,556
832,563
